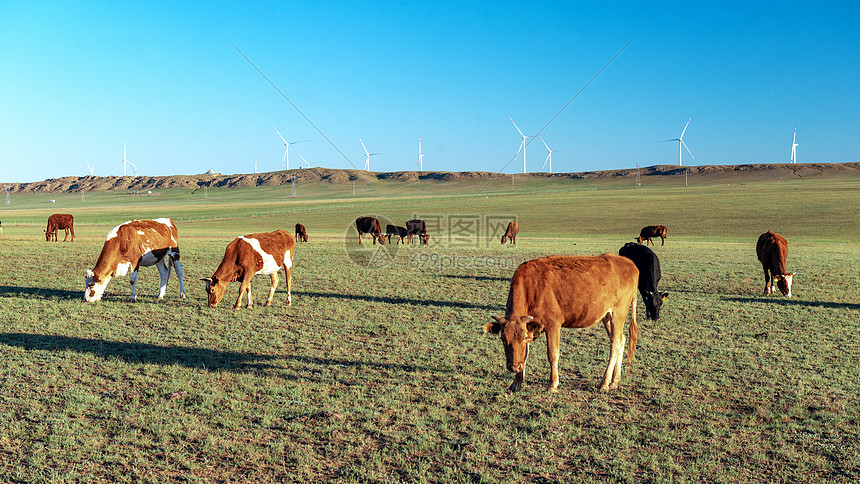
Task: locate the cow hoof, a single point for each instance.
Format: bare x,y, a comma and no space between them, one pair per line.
552,390
268,303
182,295
515,387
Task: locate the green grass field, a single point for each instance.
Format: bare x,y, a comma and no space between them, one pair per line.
380,370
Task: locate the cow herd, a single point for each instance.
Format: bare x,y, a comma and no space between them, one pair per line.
545,294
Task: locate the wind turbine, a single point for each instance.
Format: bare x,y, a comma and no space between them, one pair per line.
126,162
420,156
794,147
307,165
548,156
522,145
367,156
92,168
286,160
680,140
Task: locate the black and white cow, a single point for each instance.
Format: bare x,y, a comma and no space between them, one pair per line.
649,276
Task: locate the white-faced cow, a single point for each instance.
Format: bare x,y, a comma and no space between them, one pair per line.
248,256
130,246
369,225
396,231
301,233
652,231
417,227
649,276
511,233
556,292
60,221
772,249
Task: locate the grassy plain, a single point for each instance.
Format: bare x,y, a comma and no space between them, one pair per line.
380,371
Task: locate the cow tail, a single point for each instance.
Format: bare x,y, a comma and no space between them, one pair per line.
634,332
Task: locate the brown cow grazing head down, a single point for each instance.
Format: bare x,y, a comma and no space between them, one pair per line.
60,221
772,250
301,233
511,233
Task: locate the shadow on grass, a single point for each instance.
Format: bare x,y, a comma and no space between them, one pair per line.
399,300
14,291
784,301
477,278
141,353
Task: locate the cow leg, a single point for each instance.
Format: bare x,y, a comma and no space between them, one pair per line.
178,266
163,267
289,272
73,233
553,341
768,282
132,280
662,241
274,277
66,238
615,331
244,286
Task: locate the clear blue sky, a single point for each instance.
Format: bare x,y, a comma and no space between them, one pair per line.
81,78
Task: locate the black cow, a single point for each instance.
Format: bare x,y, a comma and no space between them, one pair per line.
369,225
649,276
396,231
417,227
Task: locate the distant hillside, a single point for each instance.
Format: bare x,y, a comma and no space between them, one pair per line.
717,173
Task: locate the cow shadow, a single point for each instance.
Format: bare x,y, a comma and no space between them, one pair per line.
142,353
477,278
14,291
399,300
784,301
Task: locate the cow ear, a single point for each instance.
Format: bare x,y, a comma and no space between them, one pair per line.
495,327
664,295
791,274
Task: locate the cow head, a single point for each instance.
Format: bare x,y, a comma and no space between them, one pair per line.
380,237
94,286
517,334
215,290
47,236
783,282
653,302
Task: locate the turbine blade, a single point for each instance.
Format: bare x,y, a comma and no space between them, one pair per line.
515,126
279,134
685,127
688,149
362,145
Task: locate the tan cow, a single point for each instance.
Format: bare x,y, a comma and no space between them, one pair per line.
60,221
135,244
772,249
247,256
511,233
556,292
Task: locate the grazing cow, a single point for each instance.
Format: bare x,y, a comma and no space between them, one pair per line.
396,231
247,256
132,245
60,221
649,276
511,233
772,249
652,231
301,233
419,228
556,292
369,225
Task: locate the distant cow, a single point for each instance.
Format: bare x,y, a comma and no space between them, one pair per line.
60,221
369,225
130,246
649,276
301,233
556,292
396,231
511,233
419,228
772,249
247,256
652,231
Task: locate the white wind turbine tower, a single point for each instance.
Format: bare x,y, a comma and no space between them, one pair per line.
285,163
307,165
92,168
126,162
794,147
366,155
522,145
680,140
548,156
420,156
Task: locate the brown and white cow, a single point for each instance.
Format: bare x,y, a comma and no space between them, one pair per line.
556,292
247,256
772,249
511,233
130,246
369,225
60,221
652,231
301,233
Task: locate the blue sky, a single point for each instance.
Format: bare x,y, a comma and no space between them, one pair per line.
80,79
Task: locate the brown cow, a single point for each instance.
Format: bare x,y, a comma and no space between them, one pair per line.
556,292
60,221
301,233
772,249
511,233
417,227
369,225
132,245
652,231
247,256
